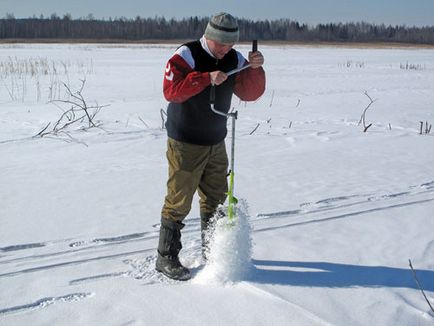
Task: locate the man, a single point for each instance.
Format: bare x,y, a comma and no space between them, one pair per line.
196,150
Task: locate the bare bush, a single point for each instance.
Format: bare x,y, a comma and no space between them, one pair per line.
80,114
363,117
412,66
427,128
420,286
350,63
163,115
254,129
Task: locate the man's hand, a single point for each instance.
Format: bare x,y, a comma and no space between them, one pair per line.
217,77
256,59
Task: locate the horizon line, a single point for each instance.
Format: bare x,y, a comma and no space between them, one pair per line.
91,16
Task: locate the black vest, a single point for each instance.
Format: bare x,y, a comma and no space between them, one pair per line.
193,121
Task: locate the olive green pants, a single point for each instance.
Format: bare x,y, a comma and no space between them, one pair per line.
191,168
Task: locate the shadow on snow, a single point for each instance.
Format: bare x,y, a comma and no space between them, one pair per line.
322,274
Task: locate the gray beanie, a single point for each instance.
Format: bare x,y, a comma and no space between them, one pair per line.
222,28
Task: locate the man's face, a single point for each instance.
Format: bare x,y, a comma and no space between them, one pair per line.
219,49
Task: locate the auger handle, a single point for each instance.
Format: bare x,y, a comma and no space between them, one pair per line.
254,45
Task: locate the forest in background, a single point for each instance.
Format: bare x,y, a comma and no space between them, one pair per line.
160,28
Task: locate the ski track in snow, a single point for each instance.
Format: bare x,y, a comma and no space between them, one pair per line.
45,302
77,246
86,251
22,247
407,197
142,269
102,248
117,239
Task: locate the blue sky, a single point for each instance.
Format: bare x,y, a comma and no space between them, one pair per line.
395,12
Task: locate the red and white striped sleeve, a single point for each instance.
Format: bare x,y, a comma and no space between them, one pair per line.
181,81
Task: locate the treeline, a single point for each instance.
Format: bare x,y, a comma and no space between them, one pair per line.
160,28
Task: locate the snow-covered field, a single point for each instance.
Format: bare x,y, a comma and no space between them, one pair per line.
335,213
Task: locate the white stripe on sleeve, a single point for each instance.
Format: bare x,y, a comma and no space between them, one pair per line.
241,60
185,53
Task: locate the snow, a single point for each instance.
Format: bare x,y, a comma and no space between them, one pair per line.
330,215
230,250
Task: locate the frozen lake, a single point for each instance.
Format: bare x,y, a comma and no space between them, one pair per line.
336,213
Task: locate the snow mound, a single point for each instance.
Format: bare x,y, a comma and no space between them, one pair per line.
229,256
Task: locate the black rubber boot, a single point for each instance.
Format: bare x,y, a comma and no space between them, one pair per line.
169,246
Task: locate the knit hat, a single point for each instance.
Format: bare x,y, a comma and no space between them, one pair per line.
222,28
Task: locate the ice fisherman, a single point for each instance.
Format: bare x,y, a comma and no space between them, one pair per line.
196,150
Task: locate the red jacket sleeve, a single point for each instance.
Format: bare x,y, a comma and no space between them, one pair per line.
250,84
181,82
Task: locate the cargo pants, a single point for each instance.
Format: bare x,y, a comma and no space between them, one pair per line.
194,168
